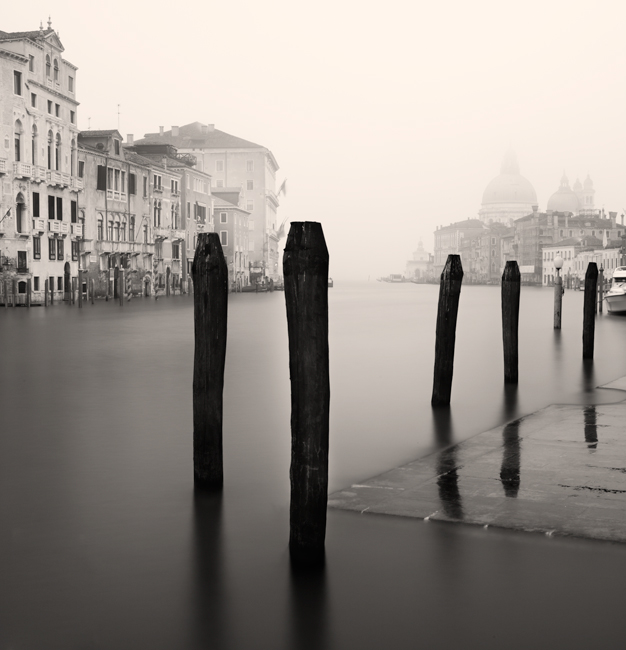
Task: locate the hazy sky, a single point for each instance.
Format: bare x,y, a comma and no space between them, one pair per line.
387,119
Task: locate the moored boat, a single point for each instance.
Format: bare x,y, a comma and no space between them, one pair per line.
616,296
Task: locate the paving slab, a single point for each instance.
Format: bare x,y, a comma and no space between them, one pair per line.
560,471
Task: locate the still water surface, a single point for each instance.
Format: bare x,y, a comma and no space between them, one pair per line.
103,543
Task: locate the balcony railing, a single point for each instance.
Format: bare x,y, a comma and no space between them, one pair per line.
3,166
54,226
77,183
22,170
55,178
65,227
77,229
65,179
161,233
114,195
40,174
158,188
178,235
39,225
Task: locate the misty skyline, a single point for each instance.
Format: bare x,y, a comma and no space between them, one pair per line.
386,123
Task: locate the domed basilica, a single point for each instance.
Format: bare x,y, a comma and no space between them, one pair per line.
579,200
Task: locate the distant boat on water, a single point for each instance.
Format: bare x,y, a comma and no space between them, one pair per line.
394,277
616,296
330,283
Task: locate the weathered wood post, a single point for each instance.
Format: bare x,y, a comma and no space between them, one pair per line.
558,300
80,289
449,293
29,288
121,286
511,287
14,292
5,291
589,304
600,288
210,276
45,292
305,269
93,291
51,285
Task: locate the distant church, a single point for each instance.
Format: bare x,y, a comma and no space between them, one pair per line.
510,196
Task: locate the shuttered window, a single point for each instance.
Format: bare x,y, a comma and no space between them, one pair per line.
35,204
102,178
59,208
132,184
73,212
51,205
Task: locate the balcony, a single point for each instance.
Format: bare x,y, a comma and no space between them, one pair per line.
54,226
65,179
158,188
39,225
21,269
178,235
147,249
161,233
3,166
40,174
22,170
114,195
65,227
77,183
55,178
77,229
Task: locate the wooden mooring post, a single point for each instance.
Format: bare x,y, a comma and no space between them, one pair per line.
45,292
600,288
51,286
5,291
511,287
80,289
449,293
93,290
210,277
121,286
589,305
305,269
558,300
29,289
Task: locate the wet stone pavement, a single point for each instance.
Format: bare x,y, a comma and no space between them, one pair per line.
560,471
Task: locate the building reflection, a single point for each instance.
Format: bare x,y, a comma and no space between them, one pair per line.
448,483
591,426
510,469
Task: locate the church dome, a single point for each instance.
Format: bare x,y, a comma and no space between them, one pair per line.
510,186
588,183
564,199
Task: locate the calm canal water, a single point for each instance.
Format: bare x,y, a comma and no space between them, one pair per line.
103,544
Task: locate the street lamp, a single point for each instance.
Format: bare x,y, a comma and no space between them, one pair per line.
558,292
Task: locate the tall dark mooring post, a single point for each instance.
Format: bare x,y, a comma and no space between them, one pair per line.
511,286
589,309
305,269
210,277
449,294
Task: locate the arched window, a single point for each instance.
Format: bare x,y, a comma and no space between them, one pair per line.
50,141
117,231
47,65
19,213
73,158
56,70
18,141
123,230
33,151
57,153
111,230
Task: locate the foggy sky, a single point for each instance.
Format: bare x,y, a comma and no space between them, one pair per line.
387,119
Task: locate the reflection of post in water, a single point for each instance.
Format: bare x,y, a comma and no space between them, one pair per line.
448,483
591,427
442,426
509,407
509,472
209,628
588,376
308,607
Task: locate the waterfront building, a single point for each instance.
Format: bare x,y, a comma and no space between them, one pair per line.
39,180
231,222
421,266
508,196
449,240
234,162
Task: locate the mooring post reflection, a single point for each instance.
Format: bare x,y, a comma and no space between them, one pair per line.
308,607
588,376
509,402
443,431
448,483
510,470
209,600
591,427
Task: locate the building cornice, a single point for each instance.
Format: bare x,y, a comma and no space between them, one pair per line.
54,92
13,55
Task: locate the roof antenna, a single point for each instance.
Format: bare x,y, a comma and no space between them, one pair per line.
118,117
88,124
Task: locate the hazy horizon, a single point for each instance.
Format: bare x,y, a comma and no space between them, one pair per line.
386,124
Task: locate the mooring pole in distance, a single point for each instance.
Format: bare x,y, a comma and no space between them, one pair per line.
511,286
210,277
449,293
5,291
305,270
45,292
600,288
15,293
93,290
29,288
558,300
589,304
121,287
80,289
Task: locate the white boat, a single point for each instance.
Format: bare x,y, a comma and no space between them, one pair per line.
616,296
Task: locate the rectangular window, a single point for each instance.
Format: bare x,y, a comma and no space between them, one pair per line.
131,229
31,63
17,82
36,283
157,182
249,185
102,178
223,217
219,165
189,210
81,169
52,249
109,178
35,204
250,165
224,237
70,84
132,184
60,283
116,146
74,251
57,110
21,260
116,184
176,251
51,205
59,208
59,249
72,117
145,187
73,212
33,100
50,107
250,206
37,248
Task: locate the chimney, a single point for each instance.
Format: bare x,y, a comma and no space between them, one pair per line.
613,217
161,131
130,139
164,162
211,127
204,129
174,131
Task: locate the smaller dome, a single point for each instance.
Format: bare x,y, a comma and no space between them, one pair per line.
588,183
564,199
578,186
